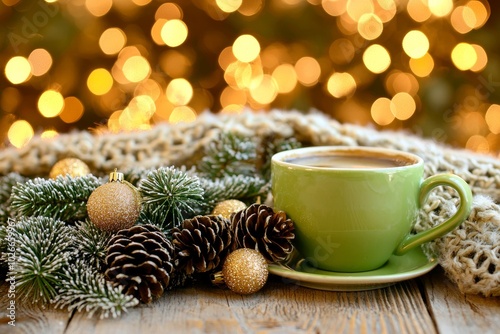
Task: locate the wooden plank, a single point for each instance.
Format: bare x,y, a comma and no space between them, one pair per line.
278,308
187,310
30,318
291,309
457,313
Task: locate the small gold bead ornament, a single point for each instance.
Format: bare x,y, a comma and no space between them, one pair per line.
244,271
115,205
69,166
228,207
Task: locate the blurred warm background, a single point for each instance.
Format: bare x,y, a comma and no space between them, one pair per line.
431,67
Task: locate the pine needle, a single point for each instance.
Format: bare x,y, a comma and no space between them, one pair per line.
42,249
91,243
229,154
64,198
169,194
241,187
85,289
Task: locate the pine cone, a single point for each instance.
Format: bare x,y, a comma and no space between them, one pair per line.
260,228
202,243
140,260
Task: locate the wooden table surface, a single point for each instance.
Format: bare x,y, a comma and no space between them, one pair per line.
428,304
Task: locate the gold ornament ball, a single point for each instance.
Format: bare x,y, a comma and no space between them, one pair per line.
245,271
228,207
114,206
69,166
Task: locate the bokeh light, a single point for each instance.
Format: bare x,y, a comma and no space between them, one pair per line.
381,111
136,69
264,90
98,7
418,10
179,92
40,61
463,19
402,106
49,134
18,70
464,56
370,26
481,58
492,118
174,32
100,81
308,71
478,144
376,58
112,40
127,65
356,9
50,103
246,48
169,11
182,114
398,81
341,85
20,133
285,77
229,6
415,44
440,8
423,66
73,110
481,13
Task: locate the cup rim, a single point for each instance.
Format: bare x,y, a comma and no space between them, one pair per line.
280,157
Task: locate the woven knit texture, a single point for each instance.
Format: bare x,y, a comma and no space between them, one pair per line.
470,255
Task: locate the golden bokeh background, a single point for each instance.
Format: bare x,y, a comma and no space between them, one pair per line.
429,67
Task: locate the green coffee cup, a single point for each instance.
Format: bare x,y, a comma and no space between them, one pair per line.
354,207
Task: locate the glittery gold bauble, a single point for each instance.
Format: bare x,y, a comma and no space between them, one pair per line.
228,207
115,205
69,166
245,271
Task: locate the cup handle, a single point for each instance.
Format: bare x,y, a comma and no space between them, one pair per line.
465,194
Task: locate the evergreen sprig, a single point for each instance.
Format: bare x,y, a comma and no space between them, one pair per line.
64,198
149,215
229,154
242,187
91,243
42,251
85,289
168,194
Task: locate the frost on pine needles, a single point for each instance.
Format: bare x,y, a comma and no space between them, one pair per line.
245,188
85,289
229,154
42,251
168,194
64,198
90,243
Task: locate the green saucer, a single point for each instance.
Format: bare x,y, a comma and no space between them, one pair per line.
398,268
